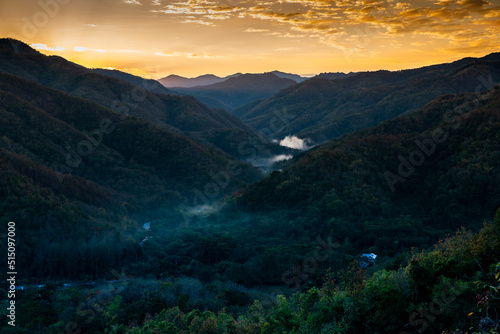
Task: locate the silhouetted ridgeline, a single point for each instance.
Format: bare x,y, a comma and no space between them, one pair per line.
145,195
324,109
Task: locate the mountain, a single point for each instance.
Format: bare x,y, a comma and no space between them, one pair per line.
173,80
44,123
149,84
237,91
73,170
401,183
295,77
322,109
181,114
121,96
333,76
141,223
202,80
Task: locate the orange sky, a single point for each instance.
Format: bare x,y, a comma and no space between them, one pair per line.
155,38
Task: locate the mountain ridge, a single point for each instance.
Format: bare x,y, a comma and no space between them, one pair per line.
174,80
149,84
325,109
181,114
239,90
381,171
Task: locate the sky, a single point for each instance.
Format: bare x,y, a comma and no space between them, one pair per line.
156,38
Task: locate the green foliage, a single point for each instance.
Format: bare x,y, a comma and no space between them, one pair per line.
130,95
325,208
387,295
453,285
135,168
322,109
341,186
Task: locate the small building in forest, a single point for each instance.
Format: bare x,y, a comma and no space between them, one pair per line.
367,260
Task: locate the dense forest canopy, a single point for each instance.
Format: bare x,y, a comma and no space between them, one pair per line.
152,216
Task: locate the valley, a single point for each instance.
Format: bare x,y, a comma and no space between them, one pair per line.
248,203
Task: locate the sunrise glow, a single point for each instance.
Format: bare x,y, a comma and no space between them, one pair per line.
155,38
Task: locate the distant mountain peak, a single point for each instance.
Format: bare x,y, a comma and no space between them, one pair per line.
332,104
238,90
334,75
295,77
177,81
172,76
10,44
174,80
205,76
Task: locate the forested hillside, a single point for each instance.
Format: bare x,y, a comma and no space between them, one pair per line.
149,84
182,114
136,210
452,287
394,185
71,166
322,109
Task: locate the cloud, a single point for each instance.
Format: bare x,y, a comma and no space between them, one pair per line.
255,30
202,55
280,157
198,22
82,49
330,20
354,25
201,210
493,14
479,46
265,163
286,35
474,5
129,51
188,54
40,46
170,54
205,9
295,142
132,2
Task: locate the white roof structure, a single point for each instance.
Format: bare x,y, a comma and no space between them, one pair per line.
370,256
